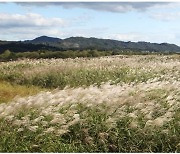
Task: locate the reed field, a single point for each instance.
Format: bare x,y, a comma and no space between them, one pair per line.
124,103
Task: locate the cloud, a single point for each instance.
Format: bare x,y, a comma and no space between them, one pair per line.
169,5
31,25
28,20
126,37
121,7
153,37
164,16
27,33
113,6
85,32
18,26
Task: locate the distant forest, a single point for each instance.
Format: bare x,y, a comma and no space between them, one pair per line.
48,47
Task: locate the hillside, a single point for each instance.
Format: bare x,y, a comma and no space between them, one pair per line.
81,43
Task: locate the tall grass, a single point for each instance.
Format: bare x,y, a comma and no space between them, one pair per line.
55,73
109,104
8,91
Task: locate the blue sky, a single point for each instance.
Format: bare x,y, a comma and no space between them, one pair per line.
129,21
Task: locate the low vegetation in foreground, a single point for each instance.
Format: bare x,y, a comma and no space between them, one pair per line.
107,104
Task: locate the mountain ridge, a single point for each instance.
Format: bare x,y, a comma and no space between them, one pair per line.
83,43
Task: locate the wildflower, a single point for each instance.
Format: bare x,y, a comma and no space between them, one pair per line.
9,118
134,124
88,140
102,142
85,131
159,122
49,130
76,116
139,106
178,145
20,129
17,122
38,119
33,128
165,131
58,119
111,122
169,98
168,114
132,115
35,146
112,148
103,135
1,108
75,121
149,123
44,123
62,131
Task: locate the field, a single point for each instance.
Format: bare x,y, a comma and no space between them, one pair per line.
124,103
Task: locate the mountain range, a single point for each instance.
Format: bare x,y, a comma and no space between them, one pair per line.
82,43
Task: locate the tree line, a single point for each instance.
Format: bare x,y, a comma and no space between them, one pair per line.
7,55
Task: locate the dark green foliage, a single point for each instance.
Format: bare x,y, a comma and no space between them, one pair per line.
81,43
25,47
45,54
7,55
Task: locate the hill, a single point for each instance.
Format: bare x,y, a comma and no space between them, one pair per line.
82,43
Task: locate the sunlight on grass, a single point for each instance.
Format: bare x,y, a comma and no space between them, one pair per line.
8,91
110,104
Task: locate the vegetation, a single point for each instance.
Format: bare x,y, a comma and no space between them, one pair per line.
58,73
9,91
7,55
125,103
81,43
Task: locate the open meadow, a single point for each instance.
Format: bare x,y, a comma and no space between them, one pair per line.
124,103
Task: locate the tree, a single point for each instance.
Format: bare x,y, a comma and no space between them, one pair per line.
6,54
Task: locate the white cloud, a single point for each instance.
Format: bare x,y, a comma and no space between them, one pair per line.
164,16
31,25
28,20
27,33
126,37
150,37
170,5
85,32
28,26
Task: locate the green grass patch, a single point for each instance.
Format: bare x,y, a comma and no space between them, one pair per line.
92,136
78,77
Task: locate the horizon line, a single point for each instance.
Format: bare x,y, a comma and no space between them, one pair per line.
88,38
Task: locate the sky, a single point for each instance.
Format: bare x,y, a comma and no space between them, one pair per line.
156,22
